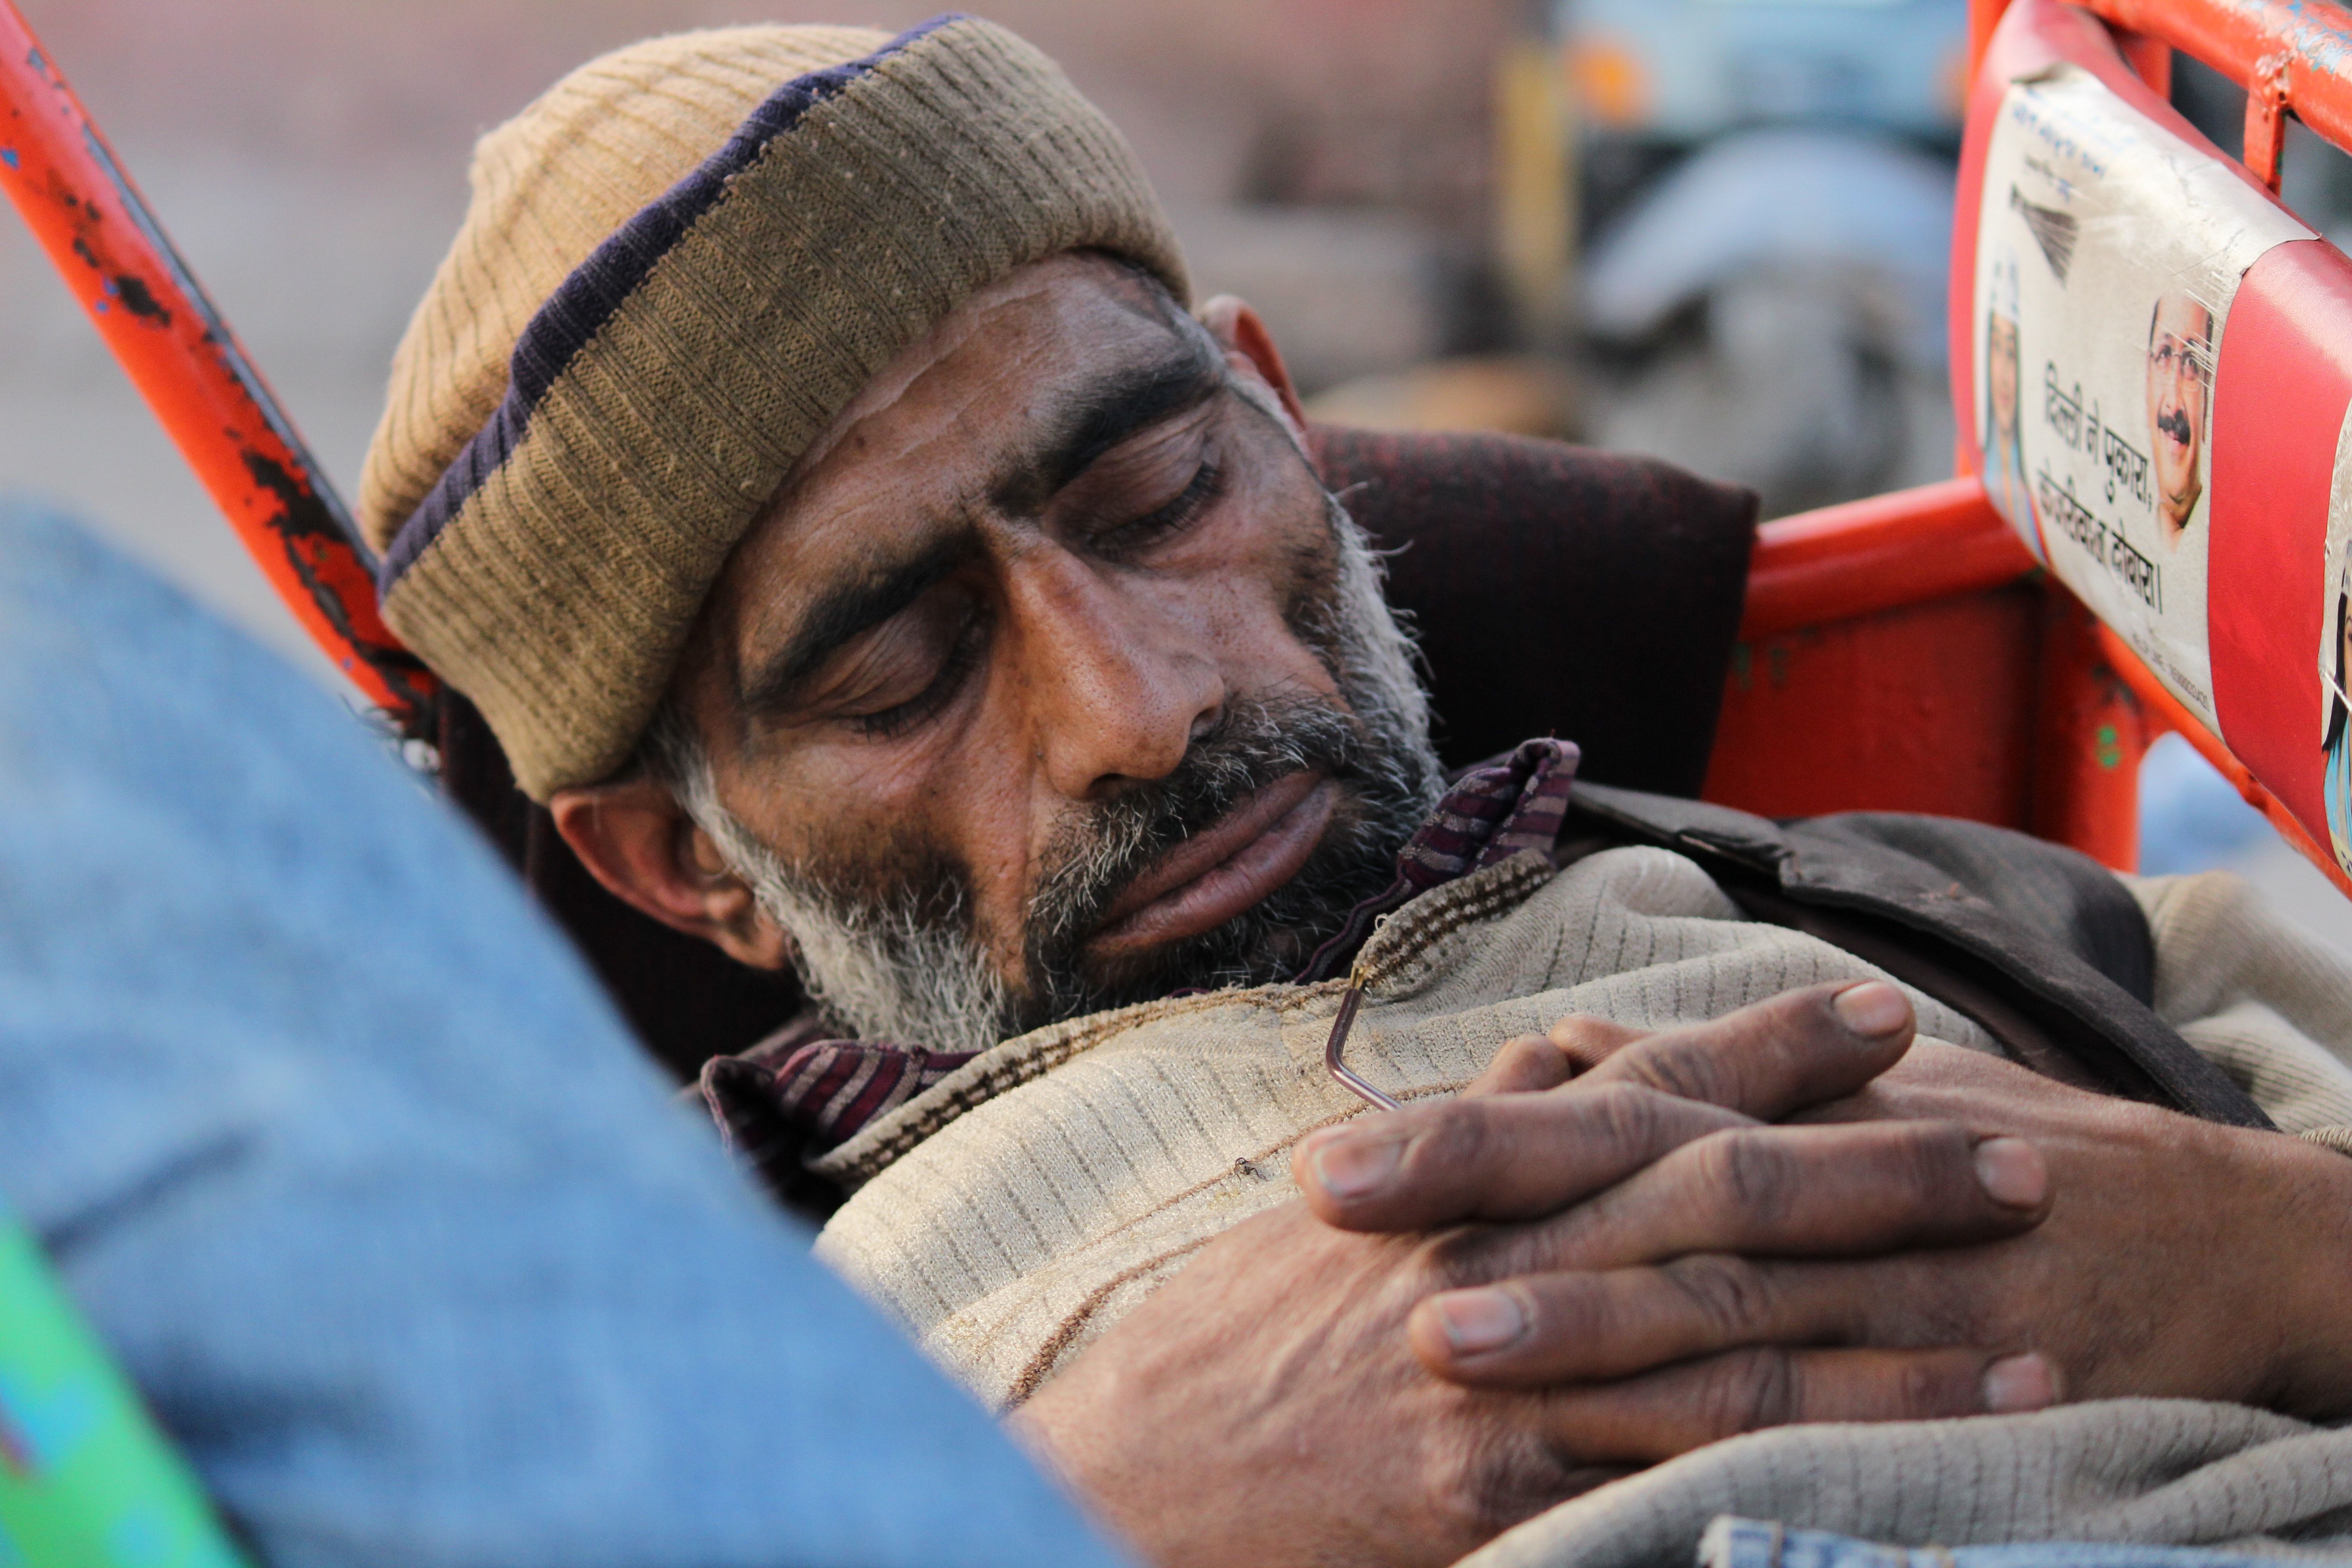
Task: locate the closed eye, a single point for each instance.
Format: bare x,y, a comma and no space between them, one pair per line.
899,675
955,669
1207,484
1150,487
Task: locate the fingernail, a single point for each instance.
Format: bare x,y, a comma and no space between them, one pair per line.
1476,1321
1871,1008
2019,1383
2012,1173
1353,1167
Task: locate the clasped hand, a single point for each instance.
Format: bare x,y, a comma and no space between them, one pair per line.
1616,1247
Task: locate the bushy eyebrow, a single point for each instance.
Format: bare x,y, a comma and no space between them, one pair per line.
1103,413
1070,435
841,612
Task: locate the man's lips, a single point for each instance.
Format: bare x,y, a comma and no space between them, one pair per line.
1215,875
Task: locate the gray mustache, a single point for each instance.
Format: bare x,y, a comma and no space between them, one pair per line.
1096,858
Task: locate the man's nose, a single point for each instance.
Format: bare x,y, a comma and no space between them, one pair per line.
1121,686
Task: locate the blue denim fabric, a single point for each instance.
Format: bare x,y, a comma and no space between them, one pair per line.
1732,1542
350,1163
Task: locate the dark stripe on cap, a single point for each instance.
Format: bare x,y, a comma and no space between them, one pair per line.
586,300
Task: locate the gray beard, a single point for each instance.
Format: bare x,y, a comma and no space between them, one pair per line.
908,967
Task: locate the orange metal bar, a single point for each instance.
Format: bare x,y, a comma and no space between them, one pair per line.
2264,138
2150,60
2297,54
1862,556
1927,706
1889,659
2100,707
2163,713
1984,16
98,230
2090,731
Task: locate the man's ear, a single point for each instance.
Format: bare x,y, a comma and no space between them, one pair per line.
636,840
1249,347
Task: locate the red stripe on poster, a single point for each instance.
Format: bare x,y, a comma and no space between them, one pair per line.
2278,394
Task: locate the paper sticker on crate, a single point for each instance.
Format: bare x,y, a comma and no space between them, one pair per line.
2108,251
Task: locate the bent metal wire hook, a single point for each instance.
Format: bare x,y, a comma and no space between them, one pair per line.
1335,1049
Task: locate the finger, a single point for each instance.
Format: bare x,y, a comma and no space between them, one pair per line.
1515,1156
1543,1330
1653,1419
1778,1056
1587,1041
1599,1327
1497,1157
1524,1065
1828,1190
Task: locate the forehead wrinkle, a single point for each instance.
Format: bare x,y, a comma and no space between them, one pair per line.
1047,284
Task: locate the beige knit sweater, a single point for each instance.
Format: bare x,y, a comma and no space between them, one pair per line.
1018,1208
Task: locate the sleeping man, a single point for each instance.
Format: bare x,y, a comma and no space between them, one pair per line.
808,463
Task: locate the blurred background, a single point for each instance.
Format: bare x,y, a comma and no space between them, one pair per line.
1711,230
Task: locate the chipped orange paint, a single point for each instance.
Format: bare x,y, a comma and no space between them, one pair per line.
79,202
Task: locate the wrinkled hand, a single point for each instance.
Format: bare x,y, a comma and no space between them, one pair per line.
1266,1405
2179,1258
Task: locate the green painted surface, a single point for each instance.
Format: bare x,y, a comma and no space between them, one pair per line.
85,1480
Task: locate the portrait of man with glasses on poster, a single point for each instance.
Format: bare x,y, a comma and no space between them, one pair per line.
2179,380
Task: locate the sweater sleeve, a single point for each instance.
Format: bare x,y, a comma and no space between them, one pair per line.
2262,1000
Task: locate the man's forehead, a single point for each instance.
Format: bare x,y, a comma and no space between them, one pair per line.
944,419
954,418
1061,316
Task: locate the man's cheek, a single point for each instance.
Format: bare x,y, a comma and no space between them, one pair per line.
1248,614
872,859
990,827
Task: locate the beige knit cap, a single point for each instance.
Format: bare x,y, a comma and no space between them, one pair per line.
677,267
